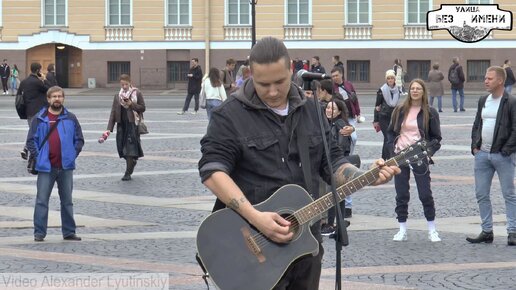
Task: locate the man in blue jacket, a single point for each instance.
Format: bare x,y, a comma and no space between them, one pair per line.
55,161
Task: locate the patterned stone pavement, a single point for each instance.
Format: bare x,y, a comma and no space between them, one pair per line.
148,225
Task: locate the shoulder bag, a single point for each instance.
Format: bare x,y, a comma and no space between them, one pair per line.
31,164
142,128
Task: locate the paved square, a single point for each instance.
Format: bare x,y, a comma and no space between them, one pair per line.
149,224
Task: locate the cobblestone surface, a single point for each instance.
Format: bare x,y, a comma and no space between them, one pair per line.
168,172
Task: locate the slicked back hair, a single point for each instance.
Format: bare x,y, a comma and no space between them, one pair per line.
269,50
500,71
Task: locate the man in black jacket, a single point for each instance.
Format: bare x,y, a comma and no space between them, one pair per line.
5,72
457,79
34,92
194,86
252,148
493,143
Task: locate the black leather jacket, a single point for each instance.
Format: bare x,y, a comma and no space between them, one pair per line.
259,151
504,138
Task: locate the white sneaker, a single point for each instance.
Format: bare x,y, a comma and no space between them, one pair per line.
433,236
194,113
181,113
400,236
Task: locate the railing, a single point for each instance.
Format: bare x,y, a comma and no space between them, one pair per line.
417,32
297,32
119,33
357,31
178,33
237,32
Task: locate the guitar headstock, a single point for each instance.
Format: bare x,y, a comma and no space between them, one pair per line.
414,153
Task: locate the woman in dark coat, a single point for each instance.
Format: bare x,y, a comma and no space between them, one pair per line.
435,86
387,98
50,78
127,111
336,113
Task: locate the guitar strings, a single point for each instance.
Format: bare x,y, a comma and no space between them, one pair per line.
261,240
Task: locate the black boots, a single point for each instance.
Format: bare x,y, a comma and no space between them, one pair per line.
511,239
484,237
130,164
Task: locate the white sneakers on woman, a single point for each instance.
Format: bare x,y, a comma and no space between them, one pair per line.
433,236
401,236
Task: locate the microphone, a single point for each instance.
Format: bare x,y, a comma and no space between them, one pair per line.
310,76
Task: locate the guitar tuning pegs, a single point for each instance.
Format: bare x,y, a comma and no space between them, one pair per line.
419,163
407,161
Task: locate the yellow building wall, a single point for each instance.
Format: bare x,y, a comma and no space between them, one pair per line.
388,19
270,18
87,18
328,19
23,17
20,17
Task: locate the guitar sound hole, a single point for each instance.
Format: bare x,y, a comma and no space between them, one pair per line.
294,225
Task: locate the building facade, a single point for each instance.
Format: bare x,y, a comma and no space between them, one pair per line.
92,42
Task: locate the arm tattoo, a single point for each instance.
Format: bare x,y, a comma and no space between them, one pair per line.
235,204
346,173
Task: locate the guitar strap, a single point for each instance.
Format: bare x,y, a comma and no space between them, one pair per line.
302,144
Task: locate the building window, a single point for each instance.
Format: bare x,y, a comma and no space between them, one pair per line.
177,71
298,12
119,12
238,12
358,11
477,70
358,71
416,11
478,1
116,69
178,12
55,12
418,69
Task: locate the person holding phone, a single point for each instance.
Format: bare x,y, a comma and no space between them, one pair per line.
127,111
34,90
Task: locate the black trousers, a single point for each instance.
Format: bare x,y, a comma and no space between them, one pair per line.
189,99
384,121
401,183
4,84
304,274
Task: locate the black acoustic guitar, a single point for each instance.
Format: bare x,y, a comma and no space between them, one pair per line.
237,256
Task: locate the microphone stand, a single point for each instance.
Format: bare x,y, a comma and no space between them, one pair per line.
341,234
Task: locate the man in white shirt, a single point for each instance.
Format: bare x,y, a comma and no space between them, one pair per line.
493,143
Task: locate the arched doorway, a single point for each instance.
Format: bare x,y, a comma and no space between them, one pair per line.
67,59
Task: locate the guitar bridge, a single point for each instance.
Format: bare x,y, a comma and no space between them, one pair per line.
252,245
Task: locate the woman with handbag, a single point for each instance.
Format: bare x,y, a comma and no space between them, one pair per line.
387,98
127,112
212,92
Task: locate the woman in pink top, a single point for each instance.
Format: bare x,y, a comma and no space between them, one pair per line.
411,121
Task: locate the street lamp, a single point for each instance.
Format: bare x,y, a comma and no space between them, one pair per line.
253,21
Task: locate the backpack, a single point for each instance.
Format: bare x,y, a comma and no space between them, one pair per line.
19,104
454,76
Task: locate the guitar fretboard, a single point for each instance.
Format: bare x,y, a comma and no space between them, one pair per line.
327,201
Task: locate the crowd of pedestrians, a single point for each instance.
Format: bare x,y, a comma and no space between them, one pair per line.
260,122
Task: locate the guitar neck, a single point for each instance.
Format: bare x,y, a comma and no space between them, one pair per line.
326,202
